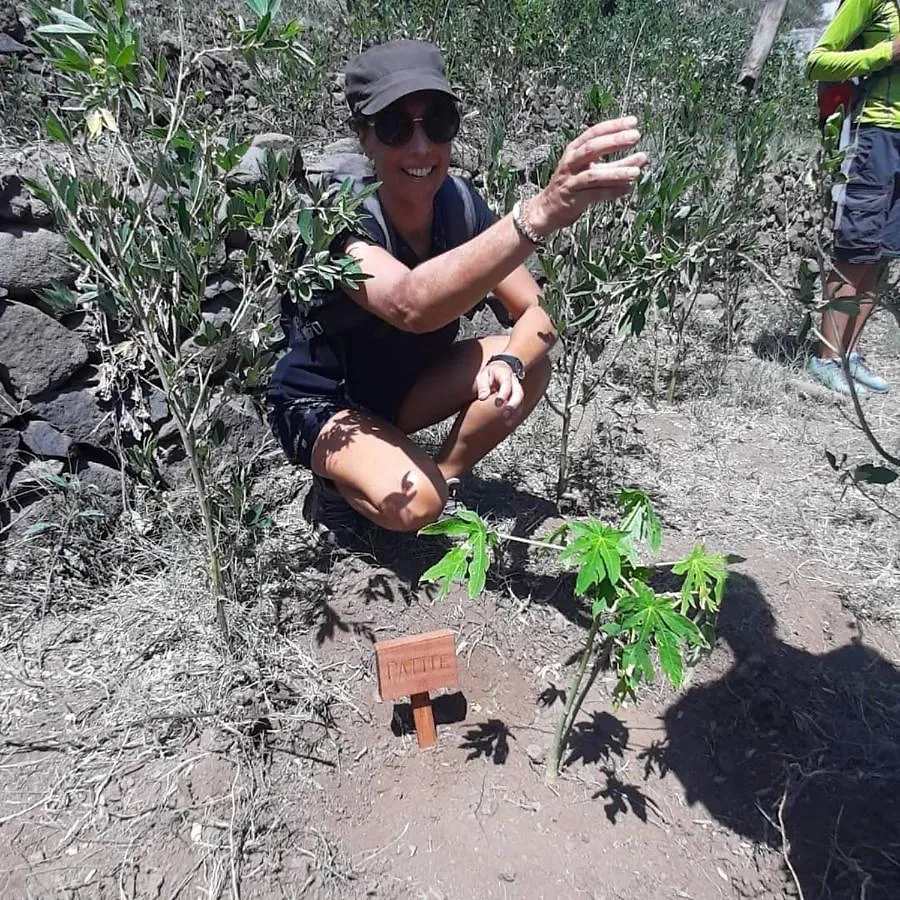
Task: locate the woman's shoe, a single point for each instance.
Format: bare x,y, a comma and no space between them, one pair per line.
865,376
330,514
453,504
830,373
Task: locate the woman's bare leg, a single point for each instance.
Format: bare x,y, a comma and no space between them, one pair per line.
379,471
392,481
480,425
841,331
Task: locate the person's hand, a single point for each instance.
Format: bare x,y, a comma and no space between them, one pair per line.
581,179
497,380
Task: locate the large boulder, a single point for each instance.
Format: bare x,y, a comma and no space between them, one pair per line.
10,408
77,414
42,439
32,258
10,46
37,352
32,481
10,21
18,205
344,156
249,171
245,430
104,486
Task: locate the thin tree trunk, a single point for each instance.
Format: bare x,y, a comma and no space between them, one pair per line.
190,448
562,478
766,29
564,726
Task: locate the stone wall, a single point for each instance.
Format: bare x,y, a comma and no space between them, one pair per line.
55,416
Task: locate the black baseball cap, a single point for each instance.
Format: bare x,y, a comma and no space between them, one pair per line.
386,72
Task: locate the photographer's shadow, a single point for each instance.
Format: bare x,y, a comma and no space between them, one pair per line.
796,750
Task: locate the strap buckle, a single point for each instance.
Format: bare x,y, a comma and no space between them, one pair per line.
310,330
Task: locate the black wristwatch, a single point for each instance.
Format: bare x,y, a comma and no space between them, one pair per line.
512,361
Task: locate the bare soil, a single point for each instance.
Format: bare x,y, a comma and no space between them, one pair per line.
139,762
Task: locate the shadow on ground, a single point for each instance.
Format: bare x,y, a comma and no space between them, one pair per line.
407,556
446,709
783,347
796,750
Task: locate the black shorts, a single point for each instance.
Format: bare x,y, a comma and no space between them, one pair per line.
297,424
867,211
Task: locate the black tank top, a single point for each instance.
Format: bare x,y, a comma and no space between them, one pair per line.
372,363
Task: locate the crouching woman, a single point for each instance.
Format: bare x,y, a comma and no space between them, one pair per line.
343,401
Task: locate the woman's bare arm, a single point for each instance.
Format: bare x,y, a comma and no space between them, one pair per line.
444,287
533,333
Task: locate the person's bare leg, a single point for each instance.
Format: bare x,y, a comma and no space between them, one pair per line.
379,471
449,387
847,281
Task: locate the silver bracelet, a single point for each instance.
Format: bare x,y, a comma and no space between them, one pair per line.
527,232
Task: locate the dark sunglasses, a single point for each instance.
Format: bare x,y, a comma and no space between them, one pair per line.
394,126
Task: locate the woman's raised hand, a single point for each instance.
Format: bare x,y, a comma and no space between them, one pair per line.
581,179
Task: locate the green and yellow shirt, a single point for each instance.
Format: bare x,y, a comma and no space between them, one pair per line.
872,24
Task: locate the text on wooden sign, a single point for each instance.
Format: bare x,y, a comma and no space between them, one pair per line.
416,664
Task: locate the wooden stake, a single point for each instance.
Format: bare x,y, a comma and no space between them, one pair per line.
423,717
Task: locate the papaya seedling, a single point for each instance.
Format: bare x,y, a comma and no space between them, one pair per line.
634,628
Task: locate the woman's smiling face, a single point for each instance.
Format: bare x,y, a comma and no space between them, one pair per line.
418,167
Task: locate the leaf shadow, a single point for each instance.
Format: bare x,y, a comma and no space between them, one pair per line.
489,739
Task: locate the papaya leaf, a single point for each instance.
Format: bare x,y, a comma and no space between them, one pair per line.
452,527
639,519
597,550
451,567
670,660
478,565
704,579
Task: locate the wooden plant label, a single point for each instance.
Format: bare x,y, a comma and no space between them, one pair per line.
411,667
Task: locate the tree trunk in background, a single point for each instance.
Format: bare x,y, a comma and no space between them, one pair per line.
769,20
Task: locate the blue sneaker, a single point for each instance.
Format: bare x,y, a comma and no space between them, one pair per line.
830,373
865,376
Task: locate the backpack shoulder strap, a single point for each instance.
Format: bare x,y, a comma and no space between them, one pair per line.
373,207
458,216
469,204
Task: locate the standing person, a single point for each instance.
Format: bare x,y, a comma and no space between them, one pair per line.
343,402
867,216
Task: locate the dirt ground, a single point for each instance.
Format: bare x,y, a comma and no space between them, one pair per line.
135,763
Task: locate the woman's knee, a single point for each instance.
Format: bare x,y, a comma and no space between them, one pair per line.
417,501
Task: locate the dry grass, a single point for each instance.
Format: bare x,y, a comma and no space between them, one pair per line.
127,731
129,736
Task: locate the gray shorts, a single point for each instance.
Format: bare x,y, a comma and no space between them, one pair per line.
867,211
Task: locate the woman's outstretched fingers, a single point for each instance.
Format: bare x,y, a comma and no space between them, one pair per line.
582,178
615,173
591,151
610,126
